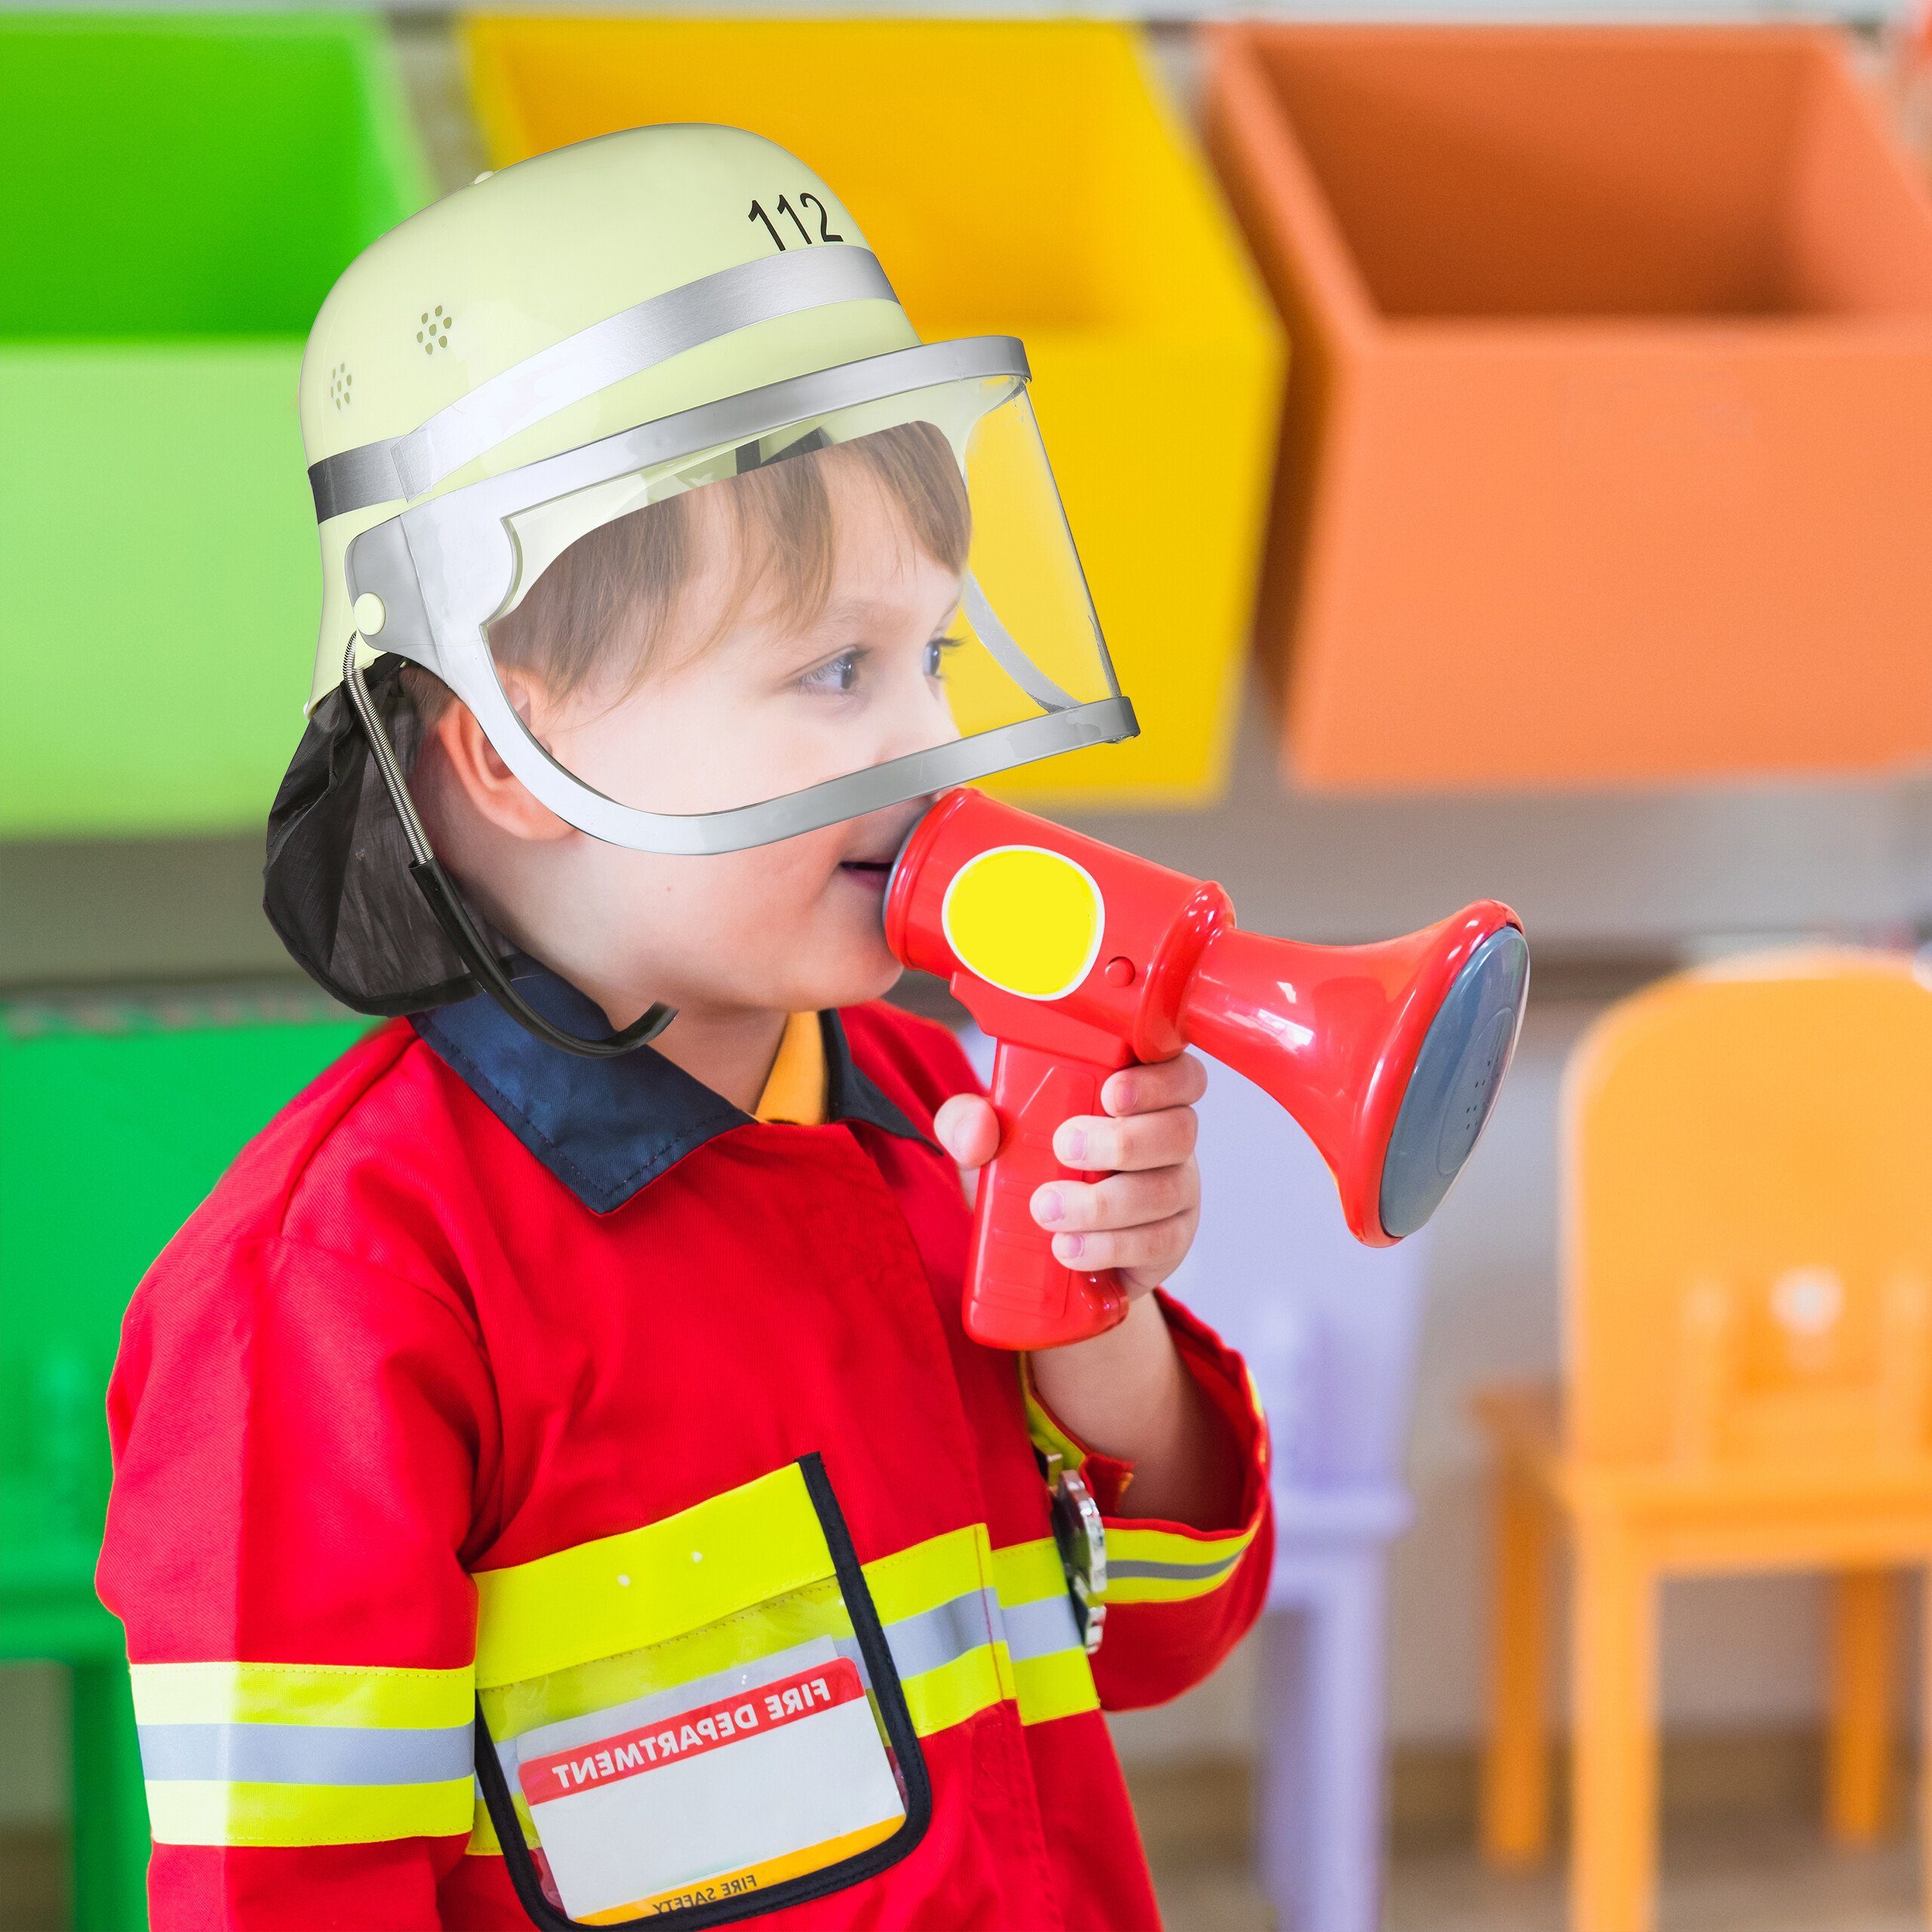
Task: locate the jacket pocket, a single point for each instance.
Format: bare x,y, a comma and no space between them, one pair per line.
696,1721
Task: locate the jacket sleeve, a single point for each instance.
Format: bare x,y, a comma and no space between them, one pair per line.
299,1441
1178,1598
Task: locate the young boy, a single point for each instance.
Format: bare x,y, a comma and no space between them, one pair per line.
599,1413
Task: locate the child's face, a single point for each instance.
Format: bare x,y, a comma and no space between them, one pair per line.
771,705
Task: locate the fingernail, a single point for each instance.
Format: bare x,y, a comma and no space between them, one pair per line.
1067,1247
1072,1143
1049,1207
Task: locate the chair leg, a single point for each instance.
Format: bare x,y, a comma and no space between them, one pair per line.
1516,1770
1613,1867
110,1811
1351,1666
1858,1751
1322,1807
1285,1843
1924,1794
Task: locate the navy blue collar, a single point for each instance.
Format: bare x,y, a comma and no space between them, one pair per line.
607,1127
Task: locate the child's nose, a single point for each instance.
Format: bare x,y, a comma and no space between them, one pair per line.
921,721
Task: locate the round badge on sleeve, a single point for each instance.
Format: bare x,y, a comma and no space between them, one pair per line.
1024,919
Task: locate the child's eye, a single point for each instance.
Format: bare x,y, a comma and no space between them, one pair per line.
937,650
836,675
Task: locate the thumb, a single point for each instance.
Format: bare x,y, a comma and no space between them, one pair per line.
968,1129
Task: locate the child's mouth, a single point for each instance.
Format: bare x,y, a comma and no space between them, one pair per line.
870,873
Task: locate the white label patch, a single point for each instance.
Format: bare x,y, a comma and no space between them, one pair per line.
743,1784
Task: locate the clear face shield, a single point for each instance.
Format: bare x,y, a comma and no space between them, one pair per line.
765,615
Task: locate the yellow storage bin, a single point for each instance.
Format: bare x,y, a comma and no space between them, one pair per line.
1020,178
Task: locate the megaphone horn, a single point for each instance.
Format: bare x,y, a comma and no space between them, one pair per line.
1078,959
1390,1056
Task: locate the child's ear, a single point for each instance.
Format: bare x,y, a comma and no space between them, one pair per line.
493,791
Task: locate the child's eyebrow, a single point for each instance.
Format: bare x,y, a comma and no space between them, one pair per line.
844,612
857,610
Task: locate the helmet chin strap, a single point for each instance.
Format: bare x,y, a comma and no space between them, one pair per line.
446,903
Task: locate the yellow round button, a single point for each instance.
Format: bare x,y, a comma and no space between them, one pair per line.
1024,919
369,614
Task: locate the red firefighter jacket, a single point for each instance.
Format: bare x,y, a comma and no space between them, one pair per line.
493,1386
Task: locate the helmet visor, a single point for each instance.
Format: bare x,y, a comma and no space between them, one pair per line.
845,610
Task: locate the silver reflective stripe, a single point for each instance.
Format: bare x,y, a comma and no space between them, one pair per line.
305,1753
633,339
943,1633
1040,1628
1120,1569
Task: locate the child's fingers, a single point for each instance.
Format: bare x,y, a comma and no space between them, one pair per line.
1178,1082
968,1129
1121,1200
1142,1140
1145,1255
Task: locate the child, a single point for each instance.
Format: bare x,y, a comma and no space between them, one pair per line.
599,1413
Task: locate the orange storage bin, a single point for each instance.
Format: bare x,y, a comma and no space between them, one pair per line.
1603,461
1023,178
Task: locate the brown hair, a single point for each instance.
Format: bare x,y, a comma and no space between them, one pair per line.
610,596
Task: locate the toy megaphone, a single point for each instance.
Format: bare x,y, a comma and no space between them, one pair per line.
1079,959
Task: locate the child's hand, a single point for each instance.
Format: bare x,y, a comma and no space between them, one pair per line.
1141,1219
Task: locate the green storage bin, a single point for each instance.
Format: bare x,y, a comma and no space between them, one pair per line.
183,191
116,1118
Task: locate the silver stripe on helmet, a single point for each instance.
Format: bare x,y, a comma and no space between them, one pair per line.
305,1753
633,339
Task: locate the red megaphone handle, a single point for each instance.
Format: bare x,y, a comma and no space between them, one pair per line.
1018,1296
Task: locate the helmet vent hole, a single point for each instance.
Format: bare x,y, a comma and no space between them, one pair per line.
433,330
342,392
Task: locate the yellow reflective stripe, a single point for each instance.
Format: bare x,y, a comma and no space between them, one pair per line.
924,1575
373,1696
1059,1684
484,1842
937,1699
642,1587
1025,1572
208,1811
1048,1437
1134,1542
1164,1566
1253,1391
919,1578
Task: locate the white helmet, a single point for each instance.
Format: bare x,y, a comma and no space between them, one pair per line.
555,353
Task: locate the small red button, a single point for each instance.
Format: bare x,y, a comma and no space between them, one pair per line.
1118,972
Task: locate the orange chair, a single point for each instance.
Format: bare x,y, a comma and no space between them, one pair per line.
1747,1269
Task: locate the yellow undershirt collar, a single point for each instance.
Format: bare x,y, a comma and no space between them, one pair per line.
795,1088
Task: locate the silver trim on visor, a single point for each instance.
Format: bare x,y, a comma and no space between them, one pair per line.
443,568
622,345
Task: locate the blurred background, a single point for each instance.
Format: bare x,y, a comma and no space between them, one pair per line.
1500,442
